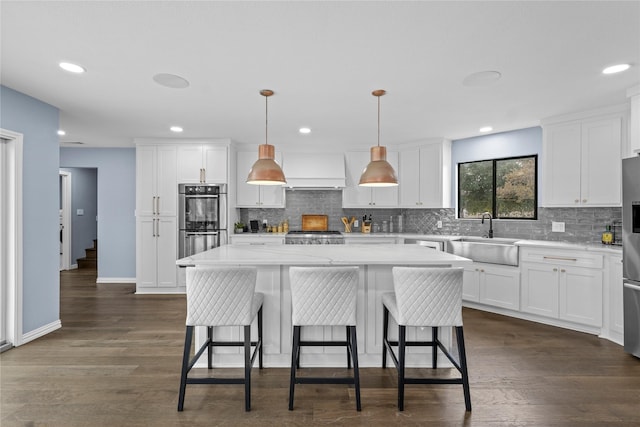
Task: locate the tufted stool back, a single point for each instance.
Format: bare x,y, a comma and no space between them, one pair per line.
323,295
221,296
428,296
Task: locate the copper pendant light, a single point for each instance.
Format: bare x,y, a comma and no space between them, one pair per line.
378,173
265,171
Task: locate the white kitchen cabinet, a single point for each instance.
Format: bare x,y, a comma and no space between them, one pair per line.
471,283
616,313
581,163
156,185
491,284
355,196
156,253
562,284
202,164
425,176
256,196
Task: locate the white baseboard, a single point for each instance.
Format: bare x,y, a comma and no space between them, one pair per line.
116,280
73,267
40,332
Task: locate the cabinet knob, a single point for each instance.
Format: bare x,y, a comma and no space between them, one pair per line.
481,270
584,200
555,269
563,270
577,201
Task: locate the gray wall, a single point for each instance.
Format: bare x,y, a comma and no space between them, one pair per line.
38,122
84,195
116,206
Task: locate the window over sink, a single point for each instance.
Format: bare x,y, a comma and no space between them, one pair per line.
507,188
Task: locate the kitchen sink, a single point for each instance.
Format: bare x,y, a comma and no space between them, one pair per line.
481,249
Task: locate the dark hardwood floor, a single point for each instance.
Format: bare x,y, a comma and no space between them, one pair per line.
116,362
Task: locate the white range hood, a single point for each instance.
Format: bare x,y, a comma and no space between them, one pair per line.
314,170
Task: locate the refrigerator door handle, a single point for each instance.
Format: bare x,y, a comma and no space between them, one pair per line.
632,286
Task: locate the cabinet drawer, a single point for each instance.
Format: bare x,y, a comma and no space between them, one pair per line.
562,257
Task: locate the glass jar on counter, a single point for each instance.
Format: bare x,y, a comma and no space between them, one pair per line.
385,226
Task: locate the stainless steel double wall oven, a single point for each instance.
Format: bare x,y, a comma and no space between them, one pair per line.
202,214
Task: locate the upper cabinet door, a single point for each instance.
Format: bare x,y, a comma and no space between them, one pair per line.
601,163
425,176
561,165
190,164
581,163
156,186
354,196
214,164
409,179
199,164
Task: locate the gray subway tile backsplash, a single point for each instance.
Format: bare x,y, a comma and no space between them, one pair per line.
582,225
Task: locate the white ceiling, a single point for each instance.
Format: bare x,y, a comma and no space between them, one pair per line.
322,59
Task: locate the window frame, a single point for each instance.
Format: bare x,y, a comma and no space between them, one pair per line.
493,184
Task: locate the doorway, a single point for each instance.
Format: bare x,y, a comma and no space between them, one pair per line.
65,220
11,146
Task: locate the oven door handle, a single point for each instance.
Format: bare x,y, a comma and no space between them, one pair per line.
203,233
631,286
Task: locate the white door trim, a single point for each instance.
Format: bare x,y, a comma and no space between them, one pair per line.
66,219
12,250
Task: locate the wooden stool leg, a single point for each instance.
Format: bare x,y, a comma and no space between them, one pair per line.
295,355
385,334
349,353
260,337
210,347
247,368
402,335
463,367
185,366
356,370
434,349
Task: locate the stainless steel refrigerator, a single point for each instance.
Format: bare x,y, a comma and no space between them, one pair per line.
631,253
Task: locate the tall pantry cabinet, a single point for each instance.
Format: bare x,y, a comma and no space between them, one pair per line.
156,218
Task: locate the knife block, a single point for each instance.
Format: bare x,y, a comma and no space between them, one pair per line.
366,228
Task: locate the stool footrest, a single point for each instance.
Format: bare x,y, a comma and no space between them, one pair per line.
324,380
215,381
324,343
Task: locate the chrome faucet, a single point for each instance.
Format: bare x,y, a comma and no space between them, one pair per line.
487,214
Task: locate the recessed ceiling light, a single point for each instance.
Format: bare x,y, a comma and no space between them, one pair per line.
616,69
482,78
486,129
72,68
304,130
176,129
61,132
171,80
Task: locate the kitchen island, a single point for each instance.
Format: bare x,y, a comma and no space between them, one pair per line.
273,262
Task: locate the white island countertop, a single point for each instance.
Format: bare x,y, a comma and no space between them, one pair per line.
383,254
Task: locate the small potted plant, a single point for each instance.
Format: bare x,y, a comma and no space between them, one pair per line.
239,227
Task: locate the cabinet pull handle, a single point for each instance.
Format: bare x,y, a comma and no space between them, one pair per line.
153,205
153,228
204,175
560,258
158,228
158,205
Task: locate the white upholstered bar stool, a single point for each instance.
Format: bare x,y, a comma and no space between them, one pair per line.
324,296
425,297
222,296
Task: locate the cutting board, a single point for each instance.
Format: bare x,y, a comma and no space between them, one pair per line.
315,222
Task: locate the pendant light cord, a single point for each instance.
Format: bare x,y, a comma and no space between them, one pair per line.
266,119
378,121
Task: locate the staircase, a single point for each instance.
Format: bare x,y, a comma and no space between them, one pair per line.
91,257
